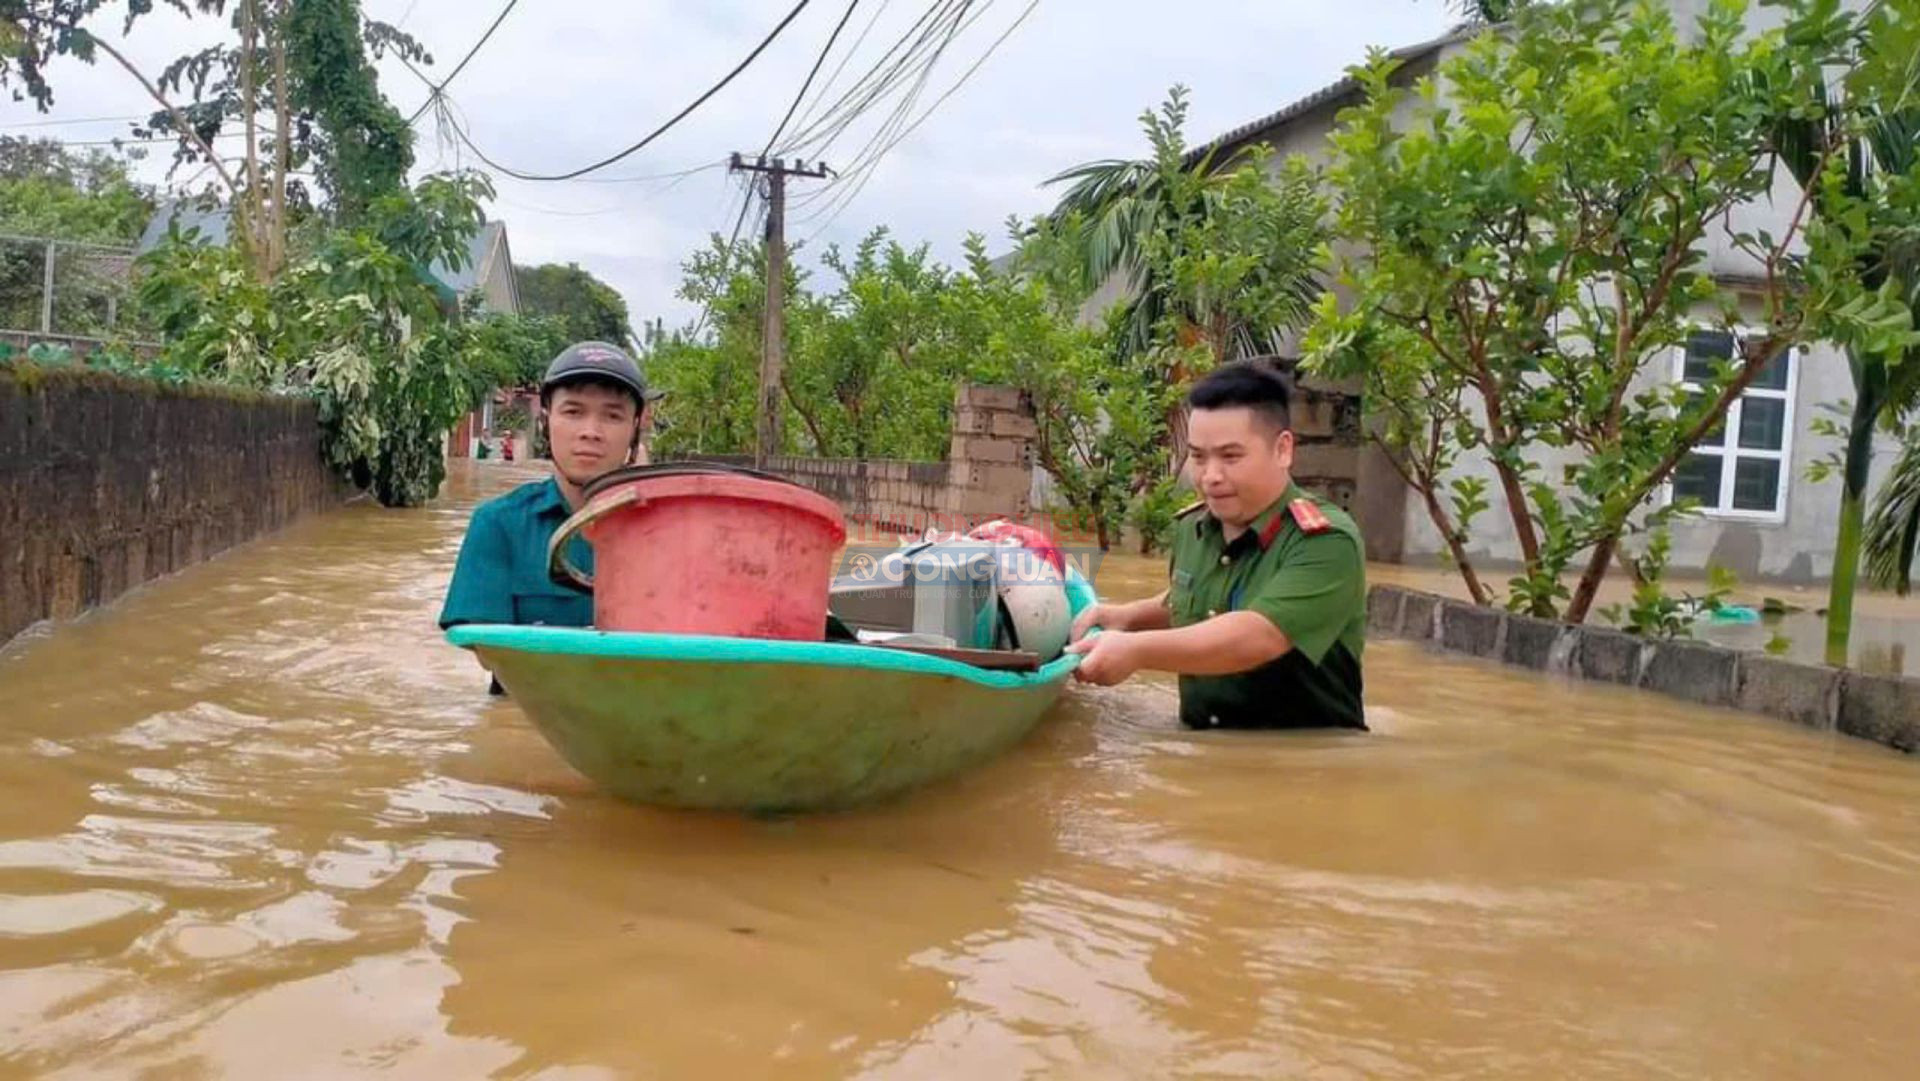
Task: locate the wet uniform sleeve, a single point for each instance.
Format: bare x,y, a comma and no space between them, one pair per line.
1311,596
479,592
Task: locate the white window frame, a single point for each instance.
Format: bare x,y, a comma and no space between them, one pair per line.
1730,452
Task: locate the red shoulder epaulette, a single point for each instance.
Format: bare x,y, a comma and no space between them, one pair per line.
1307,515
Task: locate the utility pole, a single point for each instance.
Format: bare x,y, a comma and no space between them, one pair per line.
773,328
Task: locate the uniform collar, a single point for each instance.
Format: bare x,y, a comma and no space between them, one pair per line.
1264,528
550,500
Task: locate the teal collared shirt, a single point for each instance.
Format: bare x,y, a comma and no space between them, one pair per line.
501,575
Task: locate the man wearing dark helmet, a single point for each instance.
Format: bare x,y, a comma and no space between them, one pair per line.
595,404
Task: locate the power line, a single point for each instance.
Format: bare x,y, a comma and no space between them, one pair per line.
883,136
726,253
657,132
880,76
968,74
897,116
879,79
833,78
818,61
441,88
141,140
642,178
77,120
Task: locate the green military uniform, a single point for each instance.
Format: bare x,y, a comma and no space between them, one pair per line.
1301,565
501,575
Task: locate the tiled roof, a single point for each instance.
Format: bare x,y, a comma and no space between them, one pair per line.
1331,92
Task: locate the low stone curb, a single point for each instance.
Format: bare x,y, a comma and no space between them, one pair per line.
1884,709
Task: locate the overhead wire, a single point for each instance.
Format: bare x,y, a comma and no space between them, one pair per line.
880,77
726,253
818,62
897,115
642,178
909,130
834,76
440,88
879,80
519,174
76,120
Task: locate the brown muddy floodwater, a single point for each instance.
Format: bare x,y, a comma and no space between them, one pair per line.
257,821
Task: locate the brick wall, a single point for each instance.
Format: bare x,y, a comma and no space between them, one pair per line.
988,472
106,483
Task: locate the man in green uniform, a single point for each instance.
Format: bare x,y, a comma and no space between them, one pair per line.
595,404
1265,617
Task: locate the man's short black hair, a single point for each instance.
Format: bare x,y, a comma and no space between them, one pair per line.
1254,384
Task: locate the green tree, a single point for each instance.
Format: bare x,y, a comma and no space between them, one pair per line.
49,191
1207,247
355,324
1538,231
1101,406
359,143
872,359
513,350
1420,419
1219,256
876,359
591,309
1856,149
294,78
1894,528
877,350
711,373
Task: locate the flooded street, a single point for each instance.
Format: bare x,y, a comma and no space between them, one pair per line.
258,821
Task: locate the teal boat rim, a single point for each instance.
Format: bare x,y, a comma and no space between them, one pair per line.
625,645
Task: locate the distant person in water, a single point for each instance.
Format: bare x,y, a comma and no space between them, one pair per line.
1264,618
596,405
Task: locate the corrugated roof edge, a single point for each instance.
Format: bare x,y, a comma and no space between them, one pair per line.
1345,85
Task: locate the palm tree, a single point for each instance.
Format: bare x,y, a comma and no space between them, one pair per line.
1884,147
1153,224
1895,525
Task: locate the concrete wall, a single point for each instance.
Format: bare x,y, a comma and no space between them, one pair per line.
988,472
1885,709
106,483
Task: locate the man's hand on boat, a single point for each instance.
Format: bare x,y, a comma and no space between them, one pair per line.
1110,657
1136,636
1105,659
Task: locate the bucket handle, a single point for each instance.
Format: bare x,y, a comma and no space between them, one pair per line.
559,567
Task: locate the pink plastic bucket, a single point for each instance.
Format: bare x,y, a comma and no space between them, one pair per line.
701,551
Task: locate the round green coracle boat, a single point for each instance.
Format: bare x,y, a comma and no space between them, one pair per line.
761,725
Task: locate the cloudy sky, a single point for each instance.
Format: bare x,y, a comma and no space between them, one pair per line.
567,82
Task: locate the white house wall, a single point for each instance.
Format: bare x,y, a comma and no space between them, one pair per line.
1798,548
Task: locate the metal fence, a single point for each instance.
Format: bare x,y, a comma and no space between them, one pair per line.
65,289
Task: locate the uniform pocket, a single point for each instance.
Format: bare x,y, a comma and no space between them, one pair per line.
1180,603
